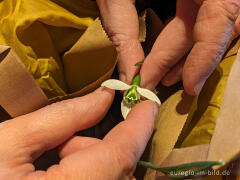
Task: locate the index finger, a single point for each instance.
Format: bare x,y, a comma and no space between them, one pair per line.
172,44
48,127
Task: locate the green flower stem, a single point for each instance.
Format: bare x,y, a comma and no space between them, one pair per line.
172,172
136,80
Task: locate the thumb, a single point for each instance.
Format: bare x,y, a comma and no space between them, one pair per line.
212,32
130,137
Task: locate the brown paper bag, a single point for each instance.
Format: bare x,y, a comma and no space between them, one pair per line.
20,94
17,84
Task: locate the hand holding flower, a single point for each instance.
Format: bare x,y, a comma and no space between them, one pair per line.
25,138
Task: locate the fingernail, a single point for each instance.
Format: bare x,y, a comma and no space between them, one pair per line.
155,109
198,87
143,84
150,87
147,85
122,77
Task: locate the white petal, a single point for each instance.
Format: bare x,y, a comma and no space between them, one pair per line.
126,108
148,94
115,84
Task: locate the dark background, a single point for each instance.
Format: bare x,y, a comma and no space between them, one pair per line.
164,8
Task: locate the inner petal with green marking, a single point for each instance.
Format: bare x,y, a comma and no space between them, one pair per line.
132,96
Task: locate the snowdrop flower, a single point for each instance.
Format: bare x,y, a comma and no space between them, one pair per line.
133,93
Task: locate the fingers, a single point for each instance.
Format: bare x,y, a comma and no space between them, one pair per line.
235,32
175,74
76,143
172,44
48,127
212,31
116,156
120,20
129,54
129,138
236,29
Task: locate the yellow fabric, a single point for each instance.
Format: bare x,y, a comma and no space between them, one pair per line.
41,31
201,121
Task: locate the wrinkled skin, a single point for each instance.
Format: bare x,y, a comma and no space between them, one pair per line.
25,138
188,49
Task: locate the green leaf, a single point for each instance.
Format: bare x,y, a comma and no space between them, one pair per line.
139,63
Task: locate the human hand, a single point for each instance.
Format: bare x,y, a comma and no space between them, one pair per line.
120,20
25,138
203,27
